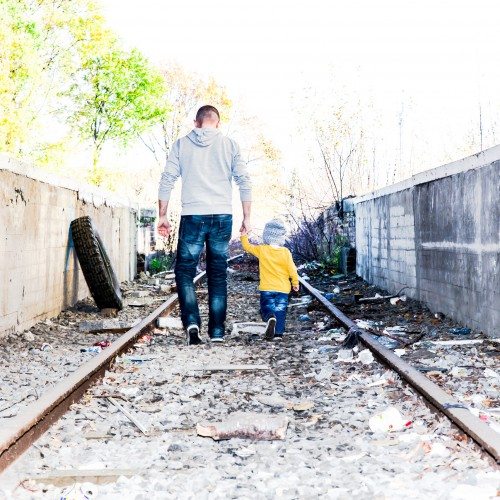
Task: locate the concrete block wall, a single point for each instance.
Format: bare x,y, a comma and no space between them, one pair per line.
39,271
438,234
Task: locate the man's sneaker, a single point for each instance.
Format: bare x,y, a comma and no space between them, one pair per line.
193,335
217,337
270,328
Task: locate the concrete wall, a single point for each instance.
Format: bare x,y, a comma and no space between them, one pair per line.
39,272
438,234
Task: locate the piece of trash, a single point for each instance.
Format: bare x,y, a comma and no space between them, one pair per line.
439,450
387,342
304,317
329,296
46,347
28,336
325,349
251,327
460,331
336,290
169,322
103,344
366,356
388,421
256,426
345,355
488,372
461,406
458,371
302,406
395,300
324,374
129,415
94,349
399,352
145,339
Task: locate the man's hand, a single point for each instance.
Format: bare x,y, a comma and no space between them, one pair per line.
245,227
164,226
295,288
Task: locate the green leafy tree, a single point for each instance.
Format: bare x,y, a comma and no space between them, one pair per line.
117,96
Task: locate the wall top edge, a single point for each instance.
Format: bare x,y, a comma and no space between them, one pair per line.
86,192
478,160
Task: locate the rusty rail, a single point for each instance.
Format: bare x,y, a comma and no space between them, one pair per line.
479,431
20,432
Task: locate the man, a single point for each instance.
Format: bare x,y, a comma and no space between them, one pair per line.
207,161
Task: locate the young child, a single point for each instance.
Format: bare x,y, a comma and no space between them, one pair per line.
276,269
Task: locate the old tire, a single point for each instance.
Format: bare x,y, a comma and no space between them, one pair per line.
96,266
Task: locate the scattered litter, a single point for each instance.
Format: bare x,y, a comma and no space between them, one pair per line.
387,342
251,327
388,421
304,317
303,406
336,290
366,357
461,406
28,336
145,339
94,349
241,425
439,450
395,300
129,415
458,371
325,349
103,344
46,347
488,372
169,322
399,352
329,296
460,331
324,374
345,355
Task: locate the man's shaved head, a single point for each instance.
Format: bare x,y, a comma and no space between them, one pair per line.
207,114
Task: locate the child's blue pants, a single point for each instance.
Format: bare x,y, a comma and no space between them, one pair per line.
274,304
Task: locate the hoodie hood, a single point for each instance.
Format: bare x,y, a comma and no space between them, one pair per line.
203,136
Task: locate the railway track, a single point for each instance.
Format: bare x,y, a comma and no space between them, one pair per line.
19,433
26,428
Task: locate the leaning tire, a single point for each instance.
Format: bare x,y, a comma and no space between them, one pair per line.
96,266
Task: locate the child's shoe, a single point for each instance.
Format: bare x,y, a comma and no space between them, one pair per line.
270,329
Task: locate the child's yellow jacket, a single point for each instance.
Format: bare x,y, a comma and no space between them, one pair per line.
276,266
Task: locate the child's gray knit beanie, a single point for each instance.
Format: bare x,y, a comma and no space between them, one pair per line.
274,233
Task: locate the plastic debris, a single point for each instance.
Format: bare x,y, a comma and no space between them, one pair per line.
460,331
336,290
366,357
94,349
46,347
103,344
304,317
387,342
329,296
345,355
388,421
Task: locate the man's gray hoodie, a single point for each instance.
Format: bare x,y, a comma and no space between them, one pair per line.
207,161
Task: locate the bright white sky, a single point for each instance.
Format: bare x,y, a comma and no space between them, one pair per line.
439,56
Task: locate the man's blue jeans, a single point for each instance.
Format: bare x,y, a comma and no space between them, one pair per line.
274,304
194,232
